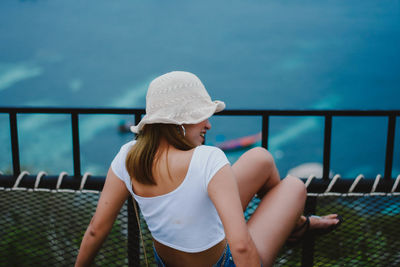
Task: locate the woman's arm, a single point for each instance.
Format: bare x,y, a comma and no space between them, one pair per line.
112,198
224,193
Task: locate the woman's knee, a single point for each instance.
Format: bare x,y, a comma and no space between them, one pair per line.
262,157
296,186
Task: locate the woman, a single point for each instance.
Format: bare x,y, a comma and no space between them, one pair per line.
190,196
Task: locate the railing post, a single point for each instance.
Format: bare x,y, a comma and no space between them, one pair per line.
14,143
138,117
265,131
390,147
75,144
133,228
133,236
327,146
307,255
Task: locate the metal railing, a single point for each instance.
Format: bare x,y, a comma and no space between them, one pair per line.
386,185
315,186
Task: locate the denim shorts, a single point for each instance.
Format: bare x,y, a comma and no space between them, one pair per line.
225,260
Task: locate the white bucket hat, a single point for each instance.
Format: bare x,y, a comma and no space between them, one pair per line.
177,97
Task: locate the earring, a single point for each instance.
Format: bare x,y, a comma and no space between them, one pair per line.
184,131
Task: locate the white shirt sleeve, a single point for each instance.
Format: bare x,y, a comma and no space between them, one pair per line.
118,164
216,159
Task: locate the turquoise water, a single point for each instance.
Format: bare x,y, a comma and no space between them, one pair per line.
253,54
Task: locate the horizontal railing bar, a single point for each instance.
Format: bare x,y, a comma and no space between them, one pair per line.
342,185
231,112
236,112
72,110
50,182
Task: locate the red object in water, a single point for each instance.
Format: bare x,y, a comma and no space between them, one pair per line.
239,143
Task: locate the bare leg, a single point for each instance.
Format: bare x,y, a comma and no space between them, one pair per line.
280,209
276,216
255,172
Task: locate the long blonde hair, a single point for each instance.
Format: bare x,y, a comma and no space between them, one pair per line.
140,159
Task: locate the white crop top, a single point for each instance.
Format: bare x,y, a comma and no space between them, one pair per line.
184,219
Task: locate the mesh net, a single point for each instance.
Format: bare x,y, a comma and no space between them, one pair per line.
368,236
45,229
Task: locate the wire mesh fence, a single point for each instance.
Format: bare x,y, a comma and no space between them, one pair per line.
45,228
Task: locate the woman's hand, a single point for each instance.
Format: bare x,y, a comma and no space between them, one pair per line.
112,198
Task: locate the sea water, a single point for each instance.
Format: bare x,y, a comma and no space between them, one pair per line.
250,54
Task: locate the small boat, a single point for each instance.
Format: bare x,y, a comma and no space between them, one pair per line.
240,143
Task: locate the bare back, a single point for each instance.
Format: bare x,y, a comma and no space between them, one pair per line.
169,172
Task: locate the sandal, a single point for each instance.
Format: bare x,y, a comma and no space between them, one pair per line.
296,239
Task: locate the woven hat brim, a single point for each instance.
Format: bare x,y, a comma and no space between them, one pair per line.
216,107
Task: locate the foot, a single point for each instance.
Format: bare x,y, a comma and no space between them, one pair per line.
314,225
324,222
